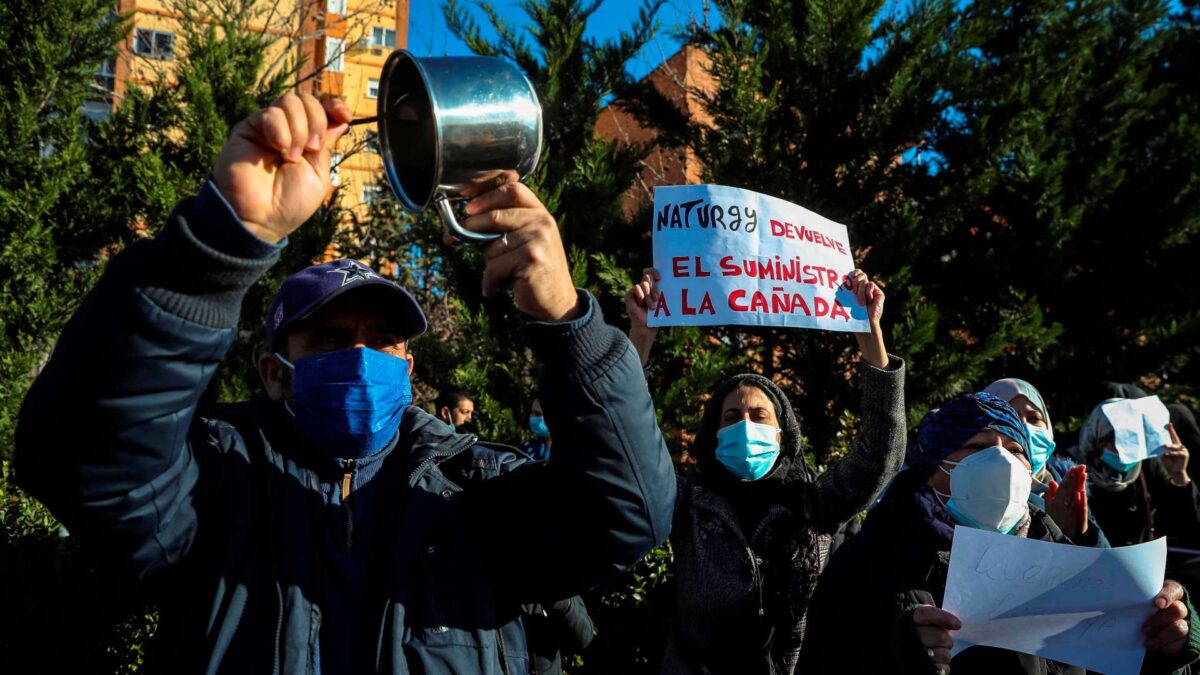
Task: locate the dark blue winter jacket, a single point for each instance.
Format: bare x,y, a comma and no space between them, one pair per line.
219,511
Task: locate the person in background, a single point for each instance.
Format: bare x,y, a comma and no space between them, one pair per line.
456,408
876,609
537,447
1059,484
1138,501
554,629
754,522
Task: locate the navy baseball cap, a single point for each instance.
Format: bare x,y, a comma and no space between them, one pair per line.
310,289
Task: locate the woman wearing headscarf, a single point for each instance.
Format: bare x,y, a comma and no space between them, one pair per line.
1059,484
1138,501
877,607
753,522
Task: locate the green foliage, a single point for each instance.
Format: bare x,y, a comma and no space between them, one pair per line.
990,159
73,191
51,55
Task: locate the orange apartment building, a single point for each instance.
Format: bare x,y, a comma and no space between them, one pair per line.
336,47
681,78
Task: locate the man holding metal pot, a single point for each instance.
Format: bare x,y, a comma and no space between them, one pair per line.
330,526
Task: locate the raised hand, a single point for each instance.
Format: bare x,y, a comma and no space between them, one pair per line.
639,302
529,258
642,297
1175,459
1067,503
868,293
871,296
274,168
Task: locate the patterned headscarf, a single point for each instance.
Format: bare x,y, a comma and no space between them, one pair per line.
944,430
1011,387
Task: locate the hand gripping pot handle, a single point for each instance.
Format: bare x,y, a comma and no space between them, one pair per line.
446,210
454,127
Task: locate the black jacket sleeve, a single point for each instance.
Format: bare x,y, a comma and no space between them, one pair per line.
103,435
606,495
575,629
850,484
1176,508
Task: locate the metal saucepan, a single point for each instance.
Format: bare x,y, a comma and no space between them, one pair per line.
454,125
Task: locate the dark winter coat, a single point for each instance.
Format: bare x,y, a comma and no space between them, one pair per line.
747,555
1149,508
221,515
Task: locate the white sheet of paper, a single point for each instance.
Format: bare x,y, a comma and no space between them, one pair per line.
737,257
1073,604
1139,426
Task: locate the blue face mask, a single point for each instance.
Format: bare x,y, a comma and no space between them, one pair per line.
349,402
538,426
1041,447
1111,459
747,449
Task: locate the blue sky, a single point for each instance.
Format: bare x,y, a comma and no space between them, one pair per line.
428,36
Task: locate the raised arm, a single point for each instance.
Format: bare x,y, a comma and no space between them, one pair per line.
850,484
638,303
606,496
103,433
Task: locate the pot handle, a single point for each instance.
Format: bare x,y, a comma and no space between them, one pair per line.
442,203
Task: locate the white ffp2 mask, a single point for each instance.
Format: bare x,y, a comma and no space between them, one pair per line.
989,490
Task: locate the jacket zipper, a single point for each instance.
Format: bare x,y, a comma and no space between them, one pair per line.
503,652
348,466
441,454
347,478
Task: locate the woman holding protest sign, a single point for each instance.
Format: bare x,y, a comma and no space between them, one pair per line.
1059,485
753,522
1138,501
883,589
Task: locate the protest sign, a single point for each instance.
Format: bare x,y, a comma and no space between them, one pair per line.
1139,427
1073,604
730,256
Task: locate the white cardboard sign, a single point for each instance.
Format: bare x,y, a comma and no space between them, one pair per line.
735,257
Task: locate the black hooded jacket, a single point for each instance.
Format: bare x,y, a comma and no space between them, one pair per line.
748,553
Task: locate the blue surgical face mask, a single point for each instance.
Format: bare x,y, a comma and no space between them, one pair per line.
989,490
349,402
1111,459
747,449
1041,447
538,426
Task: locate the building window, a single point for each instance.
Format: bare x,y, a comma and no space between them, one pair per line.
383,37
371,143
335,49
153,43
335,169
372,88
335,6
106,78
372,194
97,111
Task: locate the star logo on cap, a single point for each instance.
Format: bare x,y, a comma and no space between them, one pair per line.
355,271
